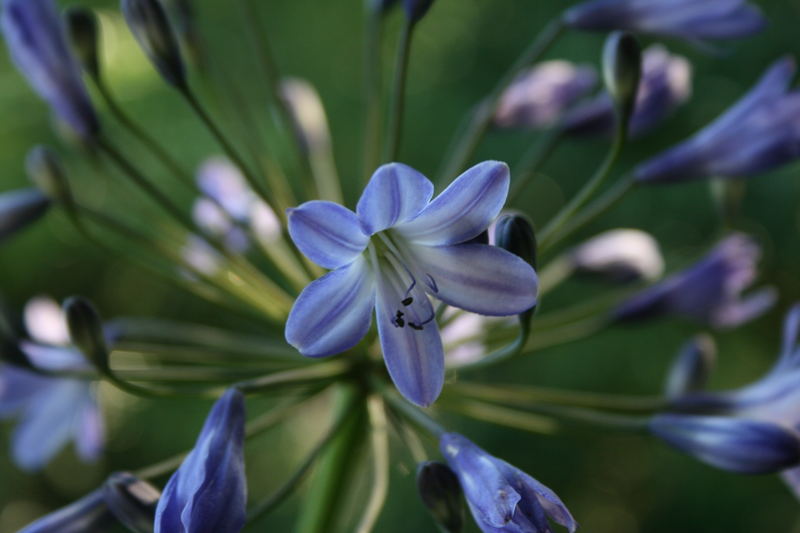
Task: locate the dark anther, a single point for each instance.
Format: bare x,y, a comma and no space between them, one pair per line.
398,320
408,301
415,326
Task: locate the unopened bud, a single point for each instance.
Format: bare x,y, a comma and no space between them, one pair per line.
622,71
515,234
19,209
416,9
45,171
132,501
692,367
440,491
148,22
84,34
308,114
86,330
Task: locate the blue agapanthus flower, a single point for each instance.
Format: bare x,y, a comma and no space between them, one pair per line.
50,411
666,83
692,20
774,399
38,44
760,133
398,248
710,291
208,493
502,498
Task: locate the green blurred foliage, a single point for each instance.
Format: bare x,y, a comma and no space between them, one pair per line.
612,483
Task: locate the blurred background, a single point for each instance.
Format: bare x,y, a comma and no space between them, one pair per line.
612,483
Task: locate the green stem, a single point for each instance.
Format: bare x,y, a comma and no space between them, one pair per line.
380,464
337,465
397,106
548,234
528,167
510,351
466,142
414,414
322,371
372,91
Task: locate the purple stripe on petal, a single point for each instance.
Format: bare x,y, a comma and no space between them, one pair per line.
395,194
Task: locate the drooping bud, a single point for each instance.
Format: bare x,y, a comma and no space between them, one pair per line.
84,34
148,22
692,367
416,9
622,71
45,171
440,491
86,330
132,501
19,209
515,234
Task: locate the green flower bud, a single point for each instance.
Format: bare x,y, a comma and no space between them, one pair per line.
440,491
515,233
45,171
148,22
86,330
84,34
692,367
622,71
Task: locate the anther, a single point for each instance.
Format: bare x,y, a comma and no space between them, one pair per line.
408,301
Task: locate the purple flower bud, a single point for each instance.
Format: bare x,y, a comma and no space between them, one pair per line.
622,71
540,96
760,133
87,515
665,85
416,9
208,493
710,291
734,444
19,209
686,19
502,498
38,44
692,367
620,255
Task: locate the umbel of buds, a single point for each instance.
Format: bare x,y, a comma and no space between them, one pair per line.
84,35
440,491
149,24
622,70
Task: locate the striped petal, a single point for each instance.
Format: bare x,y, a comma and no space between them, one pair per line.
395,194
327,233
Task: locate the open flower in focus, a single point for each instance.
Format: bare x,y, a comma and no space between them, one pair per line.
49,411
692,20
666,83
502,498
398,248
540,96
710,291
760,133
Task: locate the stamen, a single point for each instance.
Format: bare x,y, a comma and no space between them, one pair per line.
408,301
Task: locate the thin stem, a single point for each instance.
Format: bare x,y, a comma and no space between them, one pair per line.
372,91
528,167
510,351
380,464
596,209
323,371
414,414
274,499
547,235
466,142
229,149
394,132
503,416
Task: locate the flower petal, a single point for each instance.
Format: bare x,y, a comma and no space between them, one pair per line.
48,423
334,312
479,278
89,430
464,209
790,347
413,353
396,193
532,490
327,233
45,321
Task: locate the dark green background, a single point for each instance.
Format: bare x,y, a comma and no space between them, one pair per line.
612,483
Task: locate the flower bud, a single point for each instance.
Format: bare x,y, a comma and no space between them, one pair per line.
20,208
148,22
309,121
84,35
416,9
86,330
692,367
132,501
440,491
622,70
515,234
45,171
